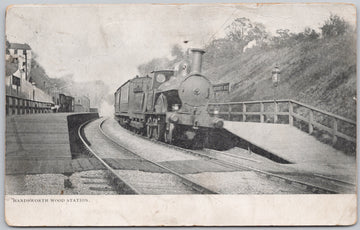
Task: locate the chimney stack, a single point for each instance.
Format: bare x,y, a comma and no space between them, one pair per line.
196,60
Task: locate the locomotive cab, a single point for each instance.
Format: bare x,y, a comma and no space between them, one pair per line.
160,77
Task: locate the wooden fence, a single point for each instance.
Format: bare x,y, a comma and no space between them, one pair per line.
325,121
16,106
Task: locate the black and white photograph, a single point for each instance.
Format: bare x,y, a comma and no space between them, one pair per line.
188,100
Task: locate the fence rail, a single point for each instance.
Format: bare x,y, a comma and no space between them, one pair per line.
16,106
227,111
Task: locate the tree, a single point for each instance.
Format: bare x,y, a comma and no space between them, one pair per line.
221,48
243,31
283,34
282,37
334,26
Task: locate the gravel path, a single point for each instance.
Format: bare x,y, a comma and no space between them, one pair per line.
80,183
38,184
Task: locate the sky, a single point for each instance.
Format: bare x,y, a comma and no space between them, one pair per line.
109,42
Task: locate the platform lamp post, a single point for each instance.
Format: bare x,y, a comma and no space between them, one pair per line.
275,79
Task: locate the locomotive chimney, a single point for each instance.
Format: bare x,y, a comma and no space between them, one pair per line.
196,60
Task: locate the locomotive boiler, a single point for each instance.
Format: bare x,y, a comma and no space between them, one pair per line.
169,105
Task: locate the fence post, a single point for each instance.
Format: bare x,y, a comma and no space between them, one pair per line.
229,110
16,106
20,106
10,106
31,107
276,112
311,119
7,105
335,128
23,106
8,109
26,107
291,111
261,112
244,111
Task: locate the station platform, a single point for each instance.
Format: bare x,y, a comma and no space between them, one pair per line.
287,142
44,136
40,137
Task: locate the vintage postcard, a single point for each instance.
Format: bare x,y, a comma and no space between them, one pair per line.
181,115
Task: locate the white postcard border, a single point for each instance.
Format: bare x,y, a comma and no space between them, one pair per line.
180,210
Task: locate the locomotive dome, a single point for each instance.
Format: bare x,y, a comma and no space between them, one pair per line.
183,68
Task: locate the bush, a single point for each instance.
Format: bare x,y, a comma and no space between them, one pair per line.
334,26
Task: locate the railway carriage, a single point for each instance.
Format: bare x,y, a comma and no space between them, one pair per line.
66,103
169,105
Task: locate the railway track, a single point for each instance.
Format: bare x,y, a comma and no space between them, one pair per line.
311,187
333,185
339,185
308,182
121,183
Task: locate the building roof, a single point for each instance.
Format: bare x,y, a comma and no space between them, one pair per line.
19,46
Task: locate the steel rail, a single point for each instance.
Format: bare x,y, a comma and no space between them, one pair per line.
188,182
121,183
233,155
334,179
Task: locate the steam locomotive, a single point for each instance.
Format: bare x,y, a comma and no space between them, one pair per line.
169,105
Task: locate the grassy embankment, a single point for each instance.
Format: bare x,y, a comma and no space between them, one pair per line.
320,73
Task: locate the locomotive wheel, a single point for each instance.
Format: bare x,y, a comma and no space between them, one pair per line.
149,132
149,129
168,134
158,131
142,131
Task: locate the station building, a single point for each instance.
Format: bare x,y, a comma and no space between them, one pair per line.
17,81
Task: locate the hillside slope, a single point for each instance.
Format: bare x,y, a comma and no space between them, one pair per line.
320,72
